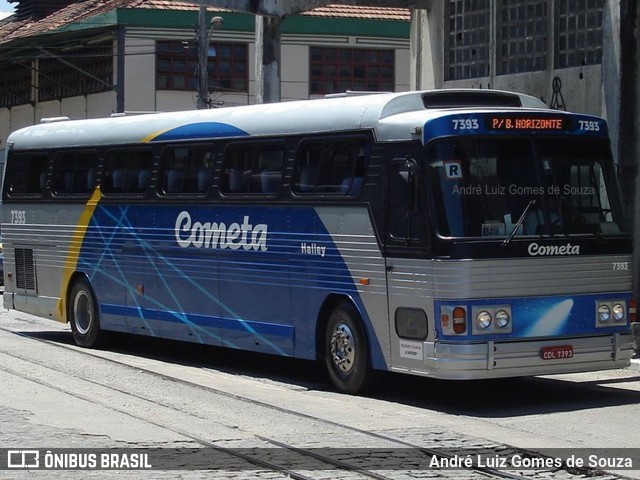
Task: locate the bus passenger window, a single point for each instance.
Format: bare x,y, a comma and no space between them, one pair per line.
330,167
127,172
74,174
252,169
26,175
187,170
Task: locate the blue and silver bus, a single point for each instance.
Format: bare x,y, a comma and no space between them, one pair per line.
454,234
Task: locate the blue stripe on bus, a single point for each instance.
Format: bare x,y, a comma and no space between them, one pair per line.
169,271
199,130
537,317
261,328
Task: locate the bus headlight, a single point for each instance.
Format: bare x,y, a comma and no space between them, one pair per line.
604,313
502,318
483,319
618,311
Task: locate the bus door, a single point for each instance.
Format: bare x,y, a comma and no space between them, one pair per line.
407,244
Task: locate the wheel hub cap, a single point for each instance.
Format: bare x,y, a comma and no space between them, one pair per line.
343,349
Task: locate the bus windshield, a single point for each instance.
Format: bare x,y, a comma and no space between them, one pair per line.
489,187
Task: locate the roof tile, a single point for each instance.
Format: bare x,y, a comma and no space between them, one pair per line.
12,29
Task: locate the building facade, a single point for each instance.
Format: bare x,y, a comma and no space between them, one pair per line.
98,57
93,58
551,49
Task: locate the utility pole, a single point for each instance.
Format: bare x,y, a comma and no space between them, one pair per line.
203,57
268,58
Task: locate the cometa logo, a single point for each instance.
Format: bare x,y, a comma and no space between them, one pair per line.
218,235
568,249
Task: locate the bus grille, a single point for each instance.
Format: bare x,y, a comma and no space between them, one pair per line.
25,269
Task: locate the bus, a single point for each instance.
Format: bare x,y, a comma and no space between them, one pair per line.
453,234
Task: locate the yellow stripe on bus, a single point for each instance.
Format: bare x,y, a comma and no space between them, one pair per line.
73,254
150,138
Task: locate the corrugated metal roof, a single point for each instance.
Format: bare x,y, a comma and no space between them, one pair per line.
12,29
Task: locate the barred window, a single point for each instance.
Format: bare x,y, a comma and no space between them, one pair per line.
336,70
468,39
78,72
15,83
177,66
578,33
523,36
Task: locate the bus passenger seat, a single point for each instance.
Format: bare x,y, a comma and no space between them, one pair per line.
205,175
175,181
351,185
118,179
270,181
144,178
236,180
68,182
307,178
91,178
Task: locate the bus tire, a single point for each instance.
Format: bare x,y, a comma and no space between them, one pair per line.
83,315
346,350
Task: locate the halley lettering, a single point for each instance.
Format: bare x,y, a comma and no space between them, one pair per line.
218,235
568,249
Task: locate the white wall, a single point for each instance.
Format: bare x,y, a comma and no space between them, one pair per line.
139,74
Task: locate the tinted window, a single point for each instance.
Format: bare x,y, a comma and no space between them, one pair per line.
74,173
187,170
330,167
26,174
251,169
127,172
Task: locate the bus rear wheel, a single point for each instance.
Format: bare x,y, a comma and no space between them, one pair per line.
346,351
83,315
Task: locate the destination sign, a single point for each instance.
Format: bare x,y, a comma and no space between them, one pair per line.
514,123
529,122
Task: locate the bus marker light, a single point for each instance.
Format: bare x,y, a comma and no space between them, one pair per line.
502,318
618,311
604,313
459,320
483,319
364,281
632,310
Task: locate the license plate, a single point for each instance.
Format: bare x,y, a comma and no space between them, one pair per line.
556,353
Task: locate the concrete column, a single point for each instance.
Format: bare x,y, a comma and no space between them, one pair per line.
611,69
427,46
422,74
629,135
629,106
268,59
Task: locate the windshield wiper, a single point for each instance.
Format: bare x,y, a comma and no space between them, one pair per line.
519,223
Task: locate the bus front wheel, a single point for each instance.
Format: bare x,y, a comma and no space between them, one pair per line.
346,351
83,315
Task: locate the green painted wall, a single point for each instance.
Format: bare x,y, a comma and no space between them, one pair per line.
244,22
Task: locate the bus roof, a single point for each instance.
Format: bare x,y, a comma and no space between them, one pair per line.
338,113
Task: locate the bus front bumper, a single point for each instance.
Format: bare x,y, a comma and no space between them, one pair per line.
527,358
